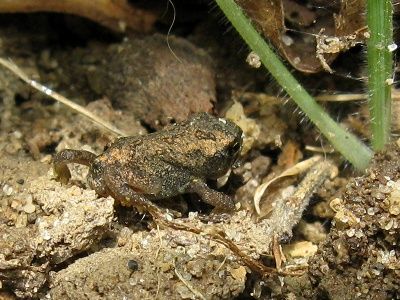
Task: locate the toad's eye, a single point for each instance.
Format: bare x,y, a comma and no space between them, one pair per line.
234,148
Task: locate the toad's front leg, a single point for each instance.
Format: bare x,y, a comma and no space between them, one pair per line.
222,203
64,157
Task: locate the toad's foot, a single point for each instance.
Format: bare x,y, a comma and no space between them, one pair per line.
64,157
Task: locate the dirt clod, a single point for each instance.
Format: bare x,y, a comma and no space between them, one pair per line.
147,76
362,246
67,222
177,265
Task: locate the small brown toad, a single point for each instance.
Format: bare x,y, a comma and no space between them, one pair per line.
173,161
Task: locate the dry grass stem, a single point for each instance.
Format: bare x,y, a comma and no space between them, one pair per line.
188,285
41,88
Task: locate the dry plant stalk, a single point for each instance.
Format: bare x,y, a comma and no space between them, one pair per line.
188,285
41,88
114,14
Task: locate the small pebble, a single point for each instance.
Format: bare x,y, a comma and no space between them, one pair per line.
21,221
389,225
29,208
15,204
169,218
253,60
17,134
376,272
8,190
385,189
371,211
378,195
75,191
133,265
350,232
144,243
46,235
46,159
359,234
32,218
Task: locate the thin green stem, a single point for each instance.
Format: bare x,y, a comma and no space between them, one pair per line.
380,69
346,143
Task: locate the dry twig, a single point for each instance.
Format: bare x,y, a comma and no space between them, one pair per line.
41,88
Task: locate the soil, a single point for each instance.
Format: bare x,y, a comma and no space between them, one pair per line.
322,234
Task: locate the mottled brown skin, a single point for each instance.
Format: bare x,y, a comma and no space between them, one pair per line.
170,162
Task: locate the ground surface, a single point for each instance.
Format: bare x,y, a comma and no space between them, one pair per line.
329,240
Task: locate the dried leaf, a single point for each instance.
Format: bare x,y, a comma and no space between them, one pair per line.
114,14
309,36
296,169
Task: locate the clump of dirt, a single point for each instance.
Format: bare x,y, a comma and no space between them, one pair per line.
59,224
360,257
149,76
159,263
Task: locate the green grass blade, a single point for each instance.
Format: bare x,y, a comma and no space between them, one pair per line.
343,141
380,69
